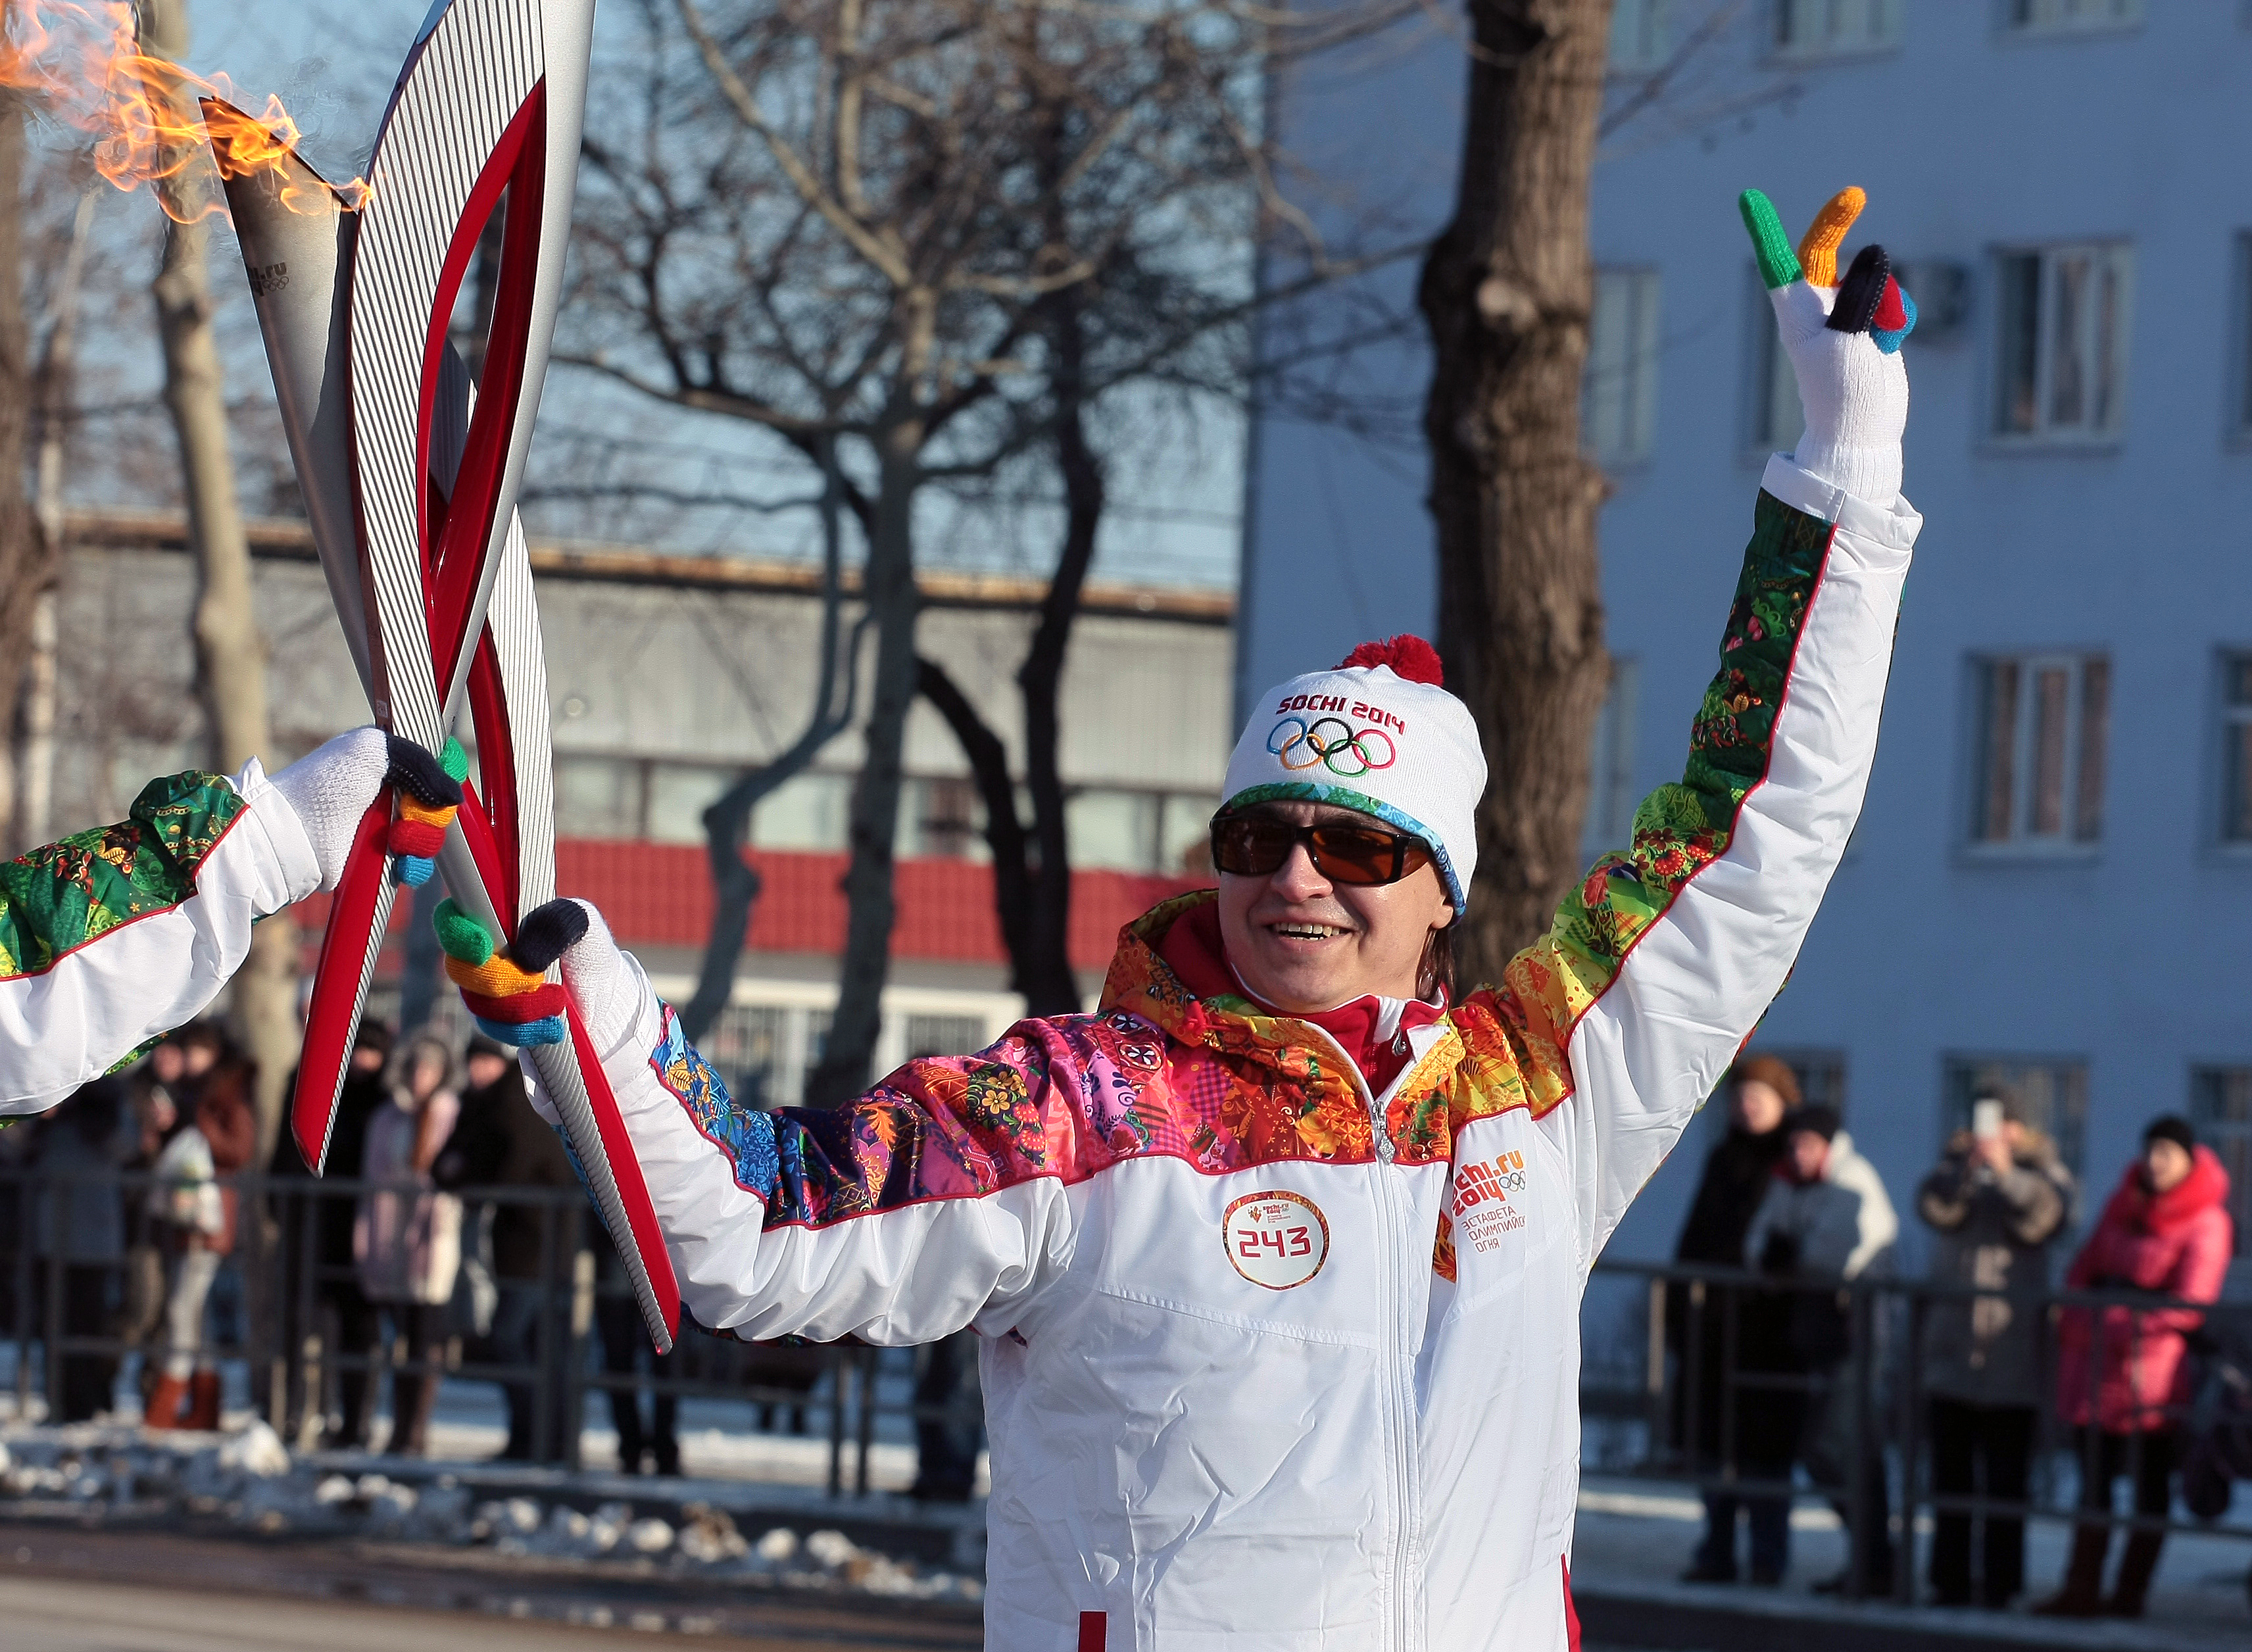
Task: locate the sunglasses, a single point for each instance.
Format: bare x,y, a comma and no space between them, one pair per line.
1256,845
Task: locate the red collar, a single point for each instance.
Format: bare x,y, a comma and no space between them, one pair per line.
1193,949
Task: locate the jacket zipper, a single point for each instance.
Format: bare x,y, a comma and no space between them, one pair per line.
1390,1245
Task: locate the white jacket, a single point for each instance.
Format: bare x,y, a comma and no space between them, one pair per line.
1839,1226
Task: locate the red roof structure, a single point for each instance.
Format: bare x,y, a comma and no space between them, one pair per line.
660,895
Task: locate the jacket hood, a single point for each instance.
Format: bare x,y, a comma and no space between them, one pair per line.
2134,1205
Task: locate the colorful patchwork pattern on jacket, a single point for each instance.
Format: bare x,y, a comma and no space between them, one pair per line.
1220,1084
62,895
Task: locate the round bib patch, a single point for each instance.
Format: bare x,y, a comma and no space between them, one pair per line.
1276,1240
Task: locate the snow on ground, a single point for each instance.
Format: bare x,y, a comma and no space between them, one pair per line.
249,1480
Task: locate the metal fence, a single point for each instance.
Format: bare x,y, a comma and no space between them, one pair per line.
291,1280
1878,1382
293,1283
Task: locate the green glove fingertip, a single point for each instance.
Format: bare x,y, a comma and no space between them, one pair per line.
454,760
1778,260
461,936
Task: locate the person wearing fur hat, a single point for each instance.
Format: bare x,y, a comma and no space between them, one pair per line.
1277,1257
2165,1231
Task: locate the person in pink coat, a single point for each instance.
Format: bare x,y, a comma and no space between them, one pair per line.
2165,1231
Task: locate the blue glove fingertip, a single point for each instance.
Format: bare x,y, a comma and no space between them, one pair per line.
413,871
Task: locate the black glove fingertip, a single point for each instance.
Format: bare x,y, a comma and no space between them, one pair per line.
1861,291
416,771
546,932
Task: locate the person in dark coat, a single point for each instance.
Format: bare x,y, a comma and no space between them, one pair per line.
82,1145
337,1298
1761,1089
500,1141
1999,1195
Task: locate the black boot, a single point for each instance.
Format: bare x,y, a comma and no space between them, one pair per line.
2082,1594
2135,1569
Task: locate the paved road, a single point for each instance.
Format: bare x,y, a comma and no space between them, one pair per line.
76,1590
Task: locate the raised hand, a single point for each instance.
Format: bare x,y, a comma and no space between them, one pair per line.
1844,342
330,788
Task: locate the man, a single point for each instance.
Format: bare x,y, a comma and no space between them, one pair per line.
1827,1221
1994,1202
1762,1090
1277,1257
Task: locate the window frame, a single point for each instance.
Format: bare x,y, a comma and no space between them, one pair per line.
1776,51
2224,714
2072,785
2045,436
1639,368
2229,1138
1961,1071
2236,387
1657,19
2006,26
1767,366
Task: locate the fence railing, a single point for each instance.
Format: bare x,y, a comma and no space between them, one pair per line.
295,1281
62,1236
1876,1376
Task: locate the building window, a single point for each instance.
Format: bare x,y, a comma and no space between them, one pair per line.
1821,1075
2060,364
2221,1107
1774,417
1835,28
1610,821
807,812
678,793
748,1047
2043,722
2069,17
1619,398
943,819
2054,1094
1640,37
598,797
2236,749
2239,390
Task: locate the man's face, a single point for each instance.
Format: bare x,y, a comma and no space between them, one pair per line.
1810,1151
198,1058
166,1062
366,1060
1305,944
485,1068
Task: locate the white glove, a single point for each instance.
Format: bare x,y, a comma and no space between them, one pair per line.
330,788
1851,380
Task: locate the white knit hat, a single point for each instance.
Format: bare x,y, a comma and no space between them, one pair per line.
1379,735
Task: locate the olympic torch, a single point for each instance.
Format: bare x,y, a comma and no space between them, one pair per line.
410,478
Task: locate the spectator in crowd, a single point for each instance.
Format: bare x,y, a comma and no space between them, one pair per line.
82,1145
337,1298
1825,1222
406,1236
1997,1198
1761,1089
155,1089
502,1142
2166,1233
625,1341
196,1198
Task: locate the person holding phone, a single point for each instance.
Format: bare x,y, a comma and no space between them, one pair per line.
1996,1199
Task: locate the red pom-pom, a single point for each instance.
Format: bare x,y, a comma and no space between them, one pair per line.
1410,658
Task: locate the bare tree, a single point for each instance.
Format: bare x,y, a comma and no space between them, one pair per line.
727,823
230,650
26,562
1506,291
841,222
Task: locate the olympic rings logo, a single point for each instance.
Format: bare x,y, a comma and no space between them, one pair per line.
1333,742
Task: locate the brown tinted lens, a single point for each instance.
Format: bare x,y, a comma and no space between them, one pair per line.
1354,855
1250,847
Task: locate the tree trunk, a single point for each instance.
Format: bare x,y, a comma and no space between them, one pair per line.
1506,292
26,566
1050,988
893,602
230,652
1005,831
735,883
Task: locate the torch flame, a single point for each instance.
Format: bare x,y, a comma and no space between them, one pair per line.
84,66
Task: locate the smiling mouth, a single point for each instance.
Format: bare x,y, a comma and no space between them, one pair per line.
1307,932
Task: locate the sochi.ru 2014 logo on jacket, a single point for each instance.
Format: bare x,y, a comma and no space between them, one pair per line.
1275,1239
1483,1213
